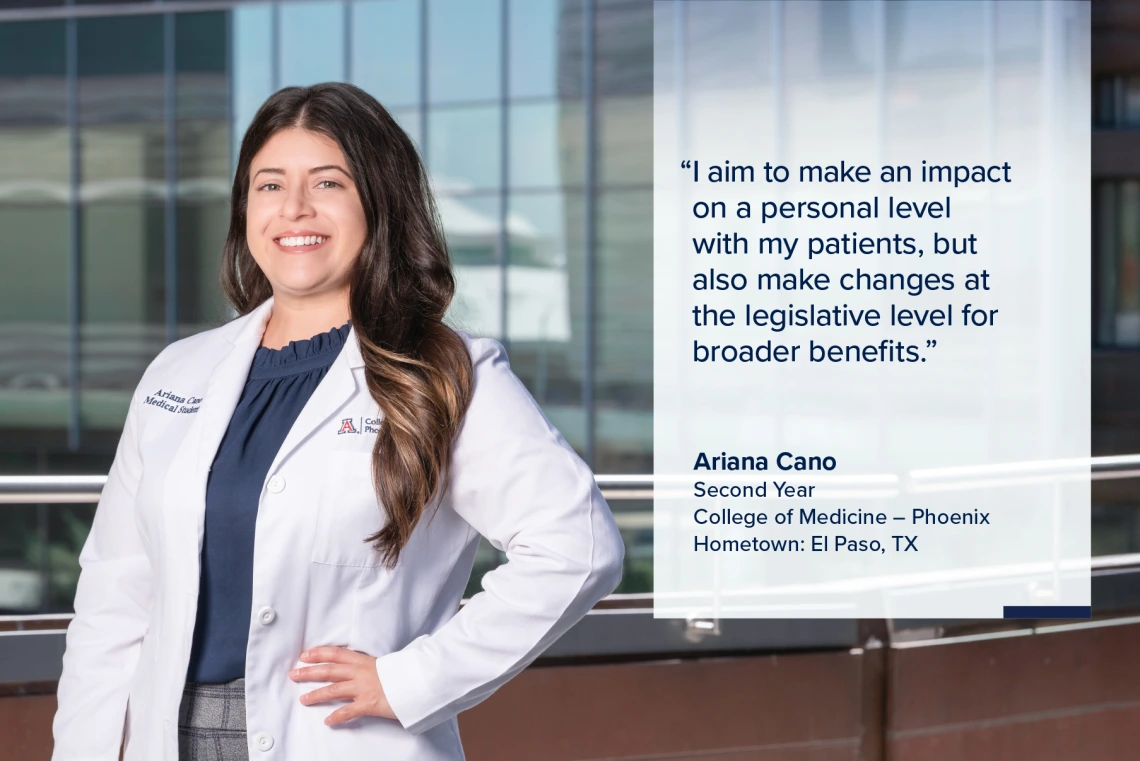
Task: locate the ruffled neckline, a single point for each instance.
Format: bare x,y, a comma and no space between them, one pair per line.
319,351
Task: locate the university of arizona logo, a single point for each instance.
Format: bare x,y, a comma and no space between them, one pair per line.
346,426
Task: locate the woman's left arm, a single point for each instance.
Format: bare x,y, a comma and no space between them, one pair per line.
516,481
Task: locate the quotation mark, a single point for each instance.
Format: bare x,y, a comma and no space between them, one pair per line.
686,164
931,344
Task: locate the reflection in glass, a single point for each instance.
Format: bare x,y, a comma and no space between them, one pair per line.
625,156
253,70
464,148
1116,101
122,140
22,587
35,161
106,66
840,43
464,50
1127,323
547,142
33,90
202,168
721,46
623,375
311,48
1019,28
623,48
123,304
34,341
1104,258
934,35
386,50
547,343
471,224
409,120
536,68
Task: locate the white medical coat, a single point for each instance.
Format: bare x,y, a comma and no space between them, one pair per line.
514,479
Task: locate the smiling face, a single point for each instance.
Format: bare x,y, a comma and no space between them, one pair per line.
305,224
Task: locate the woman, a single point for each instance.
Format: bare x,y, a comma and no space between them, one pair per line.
291,518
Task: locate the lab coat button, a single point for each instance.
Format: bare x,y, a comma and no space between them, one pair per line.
266,615
276,484
264,740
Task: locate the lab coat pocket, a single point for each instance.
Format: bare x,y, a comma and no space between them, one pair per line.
348,512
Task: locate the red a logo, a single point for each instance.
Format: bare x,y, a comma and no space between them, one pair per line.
346,426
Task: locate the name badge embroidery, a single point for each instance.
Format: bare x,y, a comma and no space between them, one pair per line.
181,405
368,425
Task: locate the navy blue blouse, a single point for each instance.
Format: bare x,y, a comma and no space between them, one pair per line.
280,383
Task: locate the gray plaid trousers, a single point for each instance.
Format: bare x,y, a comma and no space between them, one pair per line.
211,722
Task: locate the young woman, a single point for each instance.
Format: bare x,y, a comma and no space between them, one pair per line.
278,556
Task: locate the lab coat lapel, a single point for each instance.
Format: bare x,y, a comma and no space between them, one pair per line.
334,391
223,390
226,384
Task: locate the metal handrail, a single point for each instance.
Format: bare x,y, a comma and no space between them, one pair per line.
79,489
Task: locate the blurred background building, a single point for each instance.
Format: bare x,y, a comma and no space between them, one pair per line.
119,124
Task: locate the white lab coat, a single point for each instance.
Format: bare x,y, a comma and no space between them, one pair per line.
514,480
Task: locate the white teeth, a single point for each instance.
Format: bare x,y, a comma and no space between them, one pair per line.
306,240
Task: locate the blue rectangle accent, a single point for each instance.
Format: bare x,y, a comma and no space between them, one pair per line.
1047,611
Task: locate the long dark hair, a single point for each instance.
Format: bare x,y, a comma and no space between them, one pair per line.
418,369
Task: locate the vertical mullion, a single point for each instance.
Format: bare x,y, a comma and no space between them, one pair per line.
275,46
231,105
170,210
346,66
590,224
504,169
74,239
424,81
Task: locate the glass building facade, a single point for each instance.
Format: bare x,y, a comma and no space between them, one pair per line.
120,122
119,128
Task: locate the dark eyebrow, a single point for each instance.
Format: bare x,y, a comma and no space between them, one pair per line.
314,170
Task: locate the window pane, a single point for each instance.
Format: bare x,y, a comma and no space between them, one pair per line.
464,148
1020,31
463,50
123,306
35,164
546,331
623,47
311,48
34,341
253,65
623,377
539,64
1127,322
472,226
122,244
1104,235
203,167
727,46
409,120
120,83
934,35
386,50
547,141
21,583
625,126
841,43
